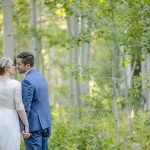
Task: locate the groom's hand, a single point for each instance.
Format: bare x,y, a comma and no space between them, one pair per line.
26,134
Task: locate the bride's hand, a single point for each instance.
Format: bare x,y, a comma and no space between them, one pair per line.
25,133
26,129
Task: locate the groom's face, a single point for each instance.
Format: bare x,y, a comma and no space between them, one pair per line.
22,68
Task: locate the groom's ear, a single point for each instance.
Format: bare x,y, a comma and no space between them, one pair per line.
28,66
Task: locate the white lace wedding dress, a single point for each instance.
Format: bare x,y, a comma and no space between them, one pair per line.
10,102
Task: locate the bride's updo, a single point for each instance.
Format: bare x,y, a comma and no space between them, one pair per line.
5,63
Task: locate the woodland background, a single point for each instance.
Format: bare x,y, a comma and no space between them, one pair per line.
95,55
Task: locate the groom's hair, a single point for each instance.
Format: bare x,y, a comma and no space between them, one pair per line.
27,58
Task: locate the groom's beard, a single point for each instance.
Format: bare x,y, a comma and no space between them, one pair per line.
22,71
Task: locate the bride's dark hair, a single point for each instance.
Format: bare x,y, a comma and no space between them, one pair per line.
2,70
27,58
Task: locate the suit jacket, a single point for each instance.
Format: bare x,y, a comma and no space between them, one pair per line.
36,101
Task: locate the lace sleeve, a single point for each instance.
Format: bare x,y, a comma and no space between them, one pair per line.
18,98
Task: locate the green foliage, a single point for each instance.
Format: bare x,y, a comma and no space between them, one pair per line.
76,71
136,37
94,132
82,134
94,128
146,81
56,38
79,39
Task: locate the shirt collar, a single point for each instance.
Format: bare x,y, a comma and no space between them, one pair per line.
27,72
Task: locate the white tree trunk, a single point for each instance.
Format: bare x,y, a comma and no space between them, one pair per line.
125,80
145,95
51,75
8,39
85,57
35,40
40,61
148,89
73,28
71,54
114,71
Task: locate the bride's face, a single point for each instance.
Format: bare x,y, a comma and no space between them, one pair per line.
12,70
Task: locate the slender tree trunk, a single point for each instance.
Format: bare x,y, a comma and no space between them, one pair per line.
76,61
17,43
51,75
148,90
39,38
8,39
40,60
144,94
73,29
71,79
85,56
35,40
126,75
114,70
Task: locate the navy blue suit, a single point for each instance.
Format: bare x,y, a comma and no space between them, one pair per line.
36,103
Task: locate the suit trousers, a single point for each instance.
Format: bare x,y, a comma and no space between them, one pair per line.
38,140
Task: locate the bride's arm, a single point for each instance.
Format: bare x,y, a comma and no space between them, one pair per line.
21,111
23,117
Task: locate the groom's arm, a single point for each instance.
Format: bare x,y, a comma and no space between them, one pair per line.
27,95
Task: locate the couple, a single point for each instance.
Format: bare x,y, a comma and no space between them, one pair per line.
28,100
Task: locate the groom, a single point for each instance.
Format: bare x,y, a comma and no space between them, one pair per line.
36,103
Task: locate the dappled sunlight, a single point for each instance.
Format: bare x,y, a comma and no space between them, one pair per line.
93,88
95,57
102,1
60,11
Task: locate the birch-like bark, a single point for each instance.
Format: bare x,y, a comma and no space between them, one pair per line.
85,56
74,85
76,60
114,71
71,59
125,82
144,94
35,40
148,90
8,39
51,76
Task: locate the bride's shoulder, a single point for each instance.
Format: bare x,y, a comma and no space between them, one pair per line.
15,81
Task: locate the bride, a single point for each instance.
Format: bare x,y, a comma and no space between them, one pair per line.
11,108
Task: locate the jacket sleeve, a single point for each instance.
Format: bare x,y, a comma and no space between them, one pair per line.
27,95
